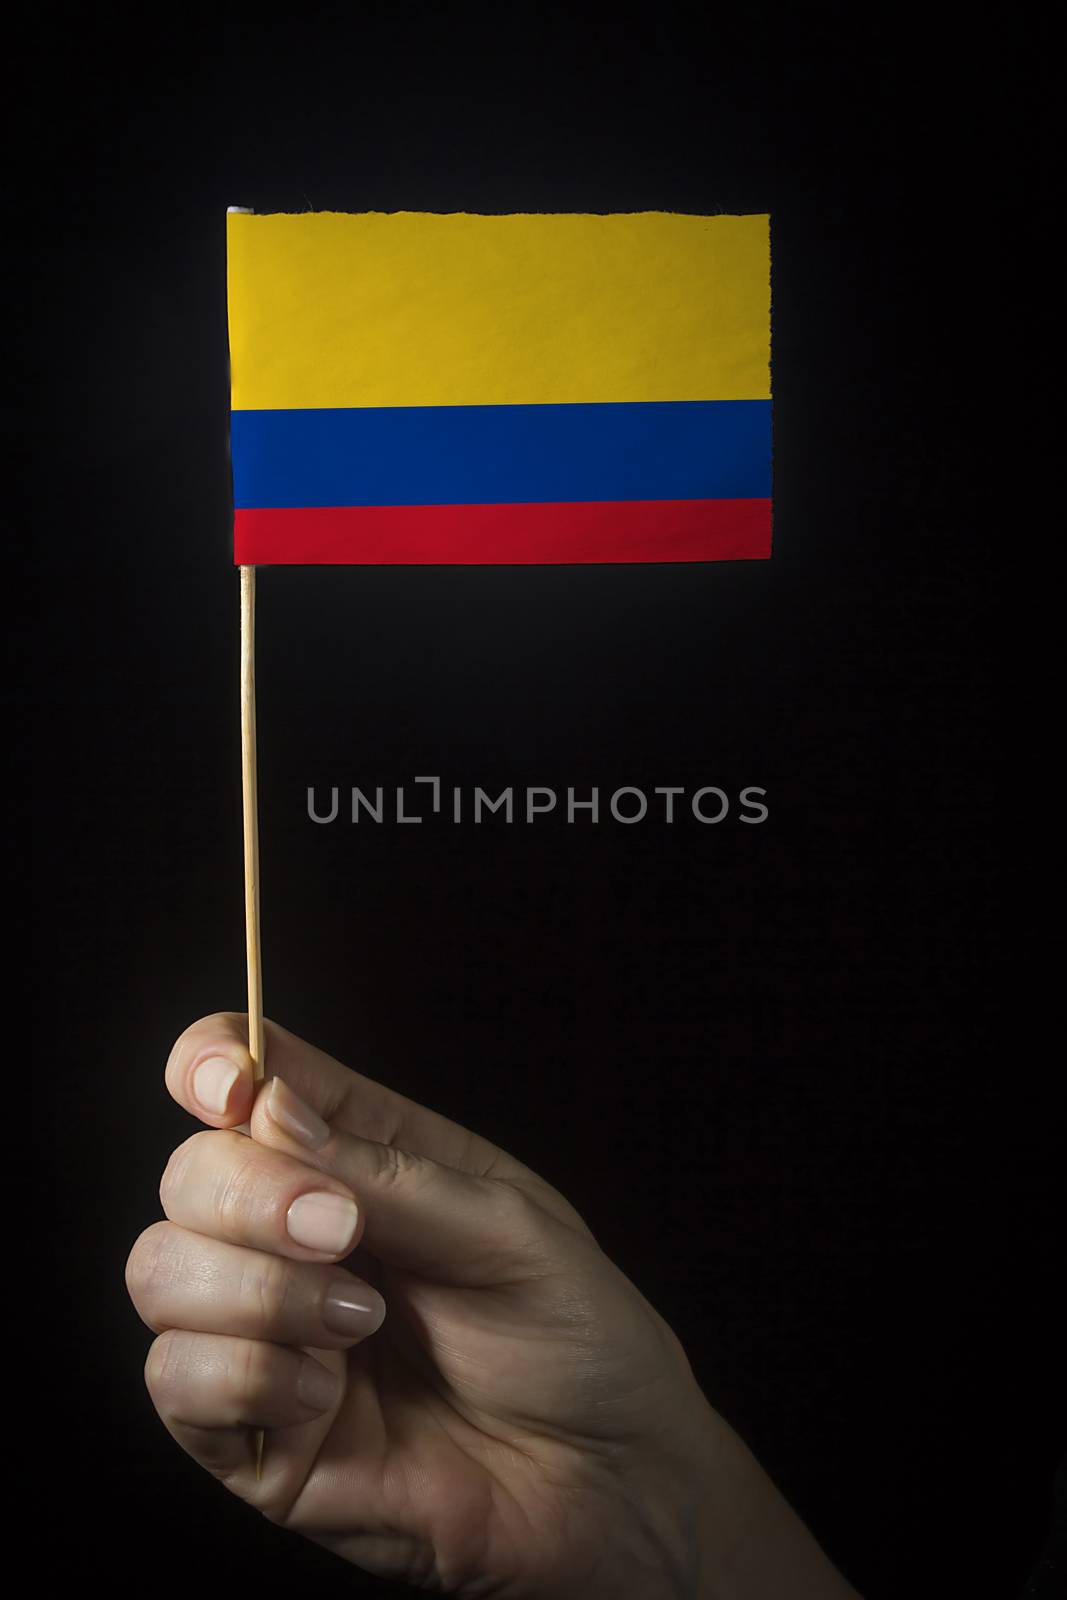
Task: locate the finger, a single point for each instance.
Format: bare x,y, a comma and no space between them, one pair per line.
209,1389
228,1187
349,1101
209,1070
447,1225
336,1092
178,1279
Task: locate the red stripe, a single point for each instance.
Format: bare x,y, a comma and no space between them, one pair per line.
567,533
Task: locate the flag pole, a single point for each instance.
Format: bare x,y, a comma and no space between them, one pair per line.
256,1042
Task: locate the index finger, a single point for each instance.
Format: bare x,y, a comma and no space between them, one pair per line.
209,1072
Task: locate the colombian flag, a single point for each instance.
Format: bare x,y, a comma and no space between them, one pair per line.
411,387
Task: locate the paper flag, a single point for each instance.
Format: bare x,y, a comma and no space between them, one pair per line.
414,387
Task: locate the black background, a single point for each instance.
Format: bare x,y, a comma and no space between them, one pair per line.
766,1063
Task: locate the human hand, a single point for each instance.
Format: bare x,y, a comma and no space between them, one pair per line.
522,1423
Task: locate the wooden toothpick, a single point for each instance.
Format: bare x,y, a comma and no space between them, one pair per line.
256,1041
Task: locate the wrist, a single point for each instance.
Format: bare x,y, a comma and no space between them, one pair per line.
667,1540
711,1524
751,1544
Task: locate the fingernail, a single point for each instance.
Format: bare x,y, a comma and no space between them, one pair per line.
212,1081
354,1310
295,1117
317,1388
322,1221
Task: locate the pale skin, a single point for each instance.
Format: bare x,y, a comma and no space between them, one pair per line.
458,1388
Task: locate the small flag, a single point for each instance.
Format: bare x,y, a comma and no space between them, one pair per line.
413,387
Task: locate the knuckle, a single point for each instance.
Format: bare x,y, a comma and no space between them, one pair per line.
168,1182
178,1165
213,1022
165,1369
518,1223
143,1261
251,1373
236,1194
513,1209
177,1050
266,1292
399,1169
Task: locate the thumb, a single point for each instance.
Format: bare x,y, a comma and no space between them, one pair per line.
450,1226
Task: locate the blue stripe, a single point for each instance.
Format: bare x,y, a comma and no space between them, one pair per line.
493,455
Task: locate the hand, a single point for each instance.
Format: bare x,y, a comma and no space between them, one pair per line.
521,1424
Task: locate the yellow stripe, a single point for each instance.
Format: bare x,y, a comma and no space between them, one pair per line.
424,309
